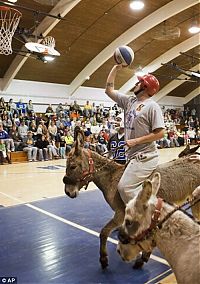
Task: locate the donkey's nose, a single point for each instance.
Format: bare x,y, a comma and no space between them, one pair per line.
65,179
67,193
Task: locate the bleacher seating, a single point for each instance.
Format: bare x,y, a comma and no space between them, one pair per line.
18,157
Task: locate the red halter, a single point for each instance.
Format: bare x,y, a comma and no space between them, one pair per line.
87,173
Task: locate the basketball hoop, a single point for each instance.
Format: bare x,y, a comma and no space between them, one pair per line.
49,41
9,20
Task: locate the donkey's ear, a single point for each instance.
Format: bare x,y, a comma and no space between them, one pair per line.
145,194
79,142
155,183
77,148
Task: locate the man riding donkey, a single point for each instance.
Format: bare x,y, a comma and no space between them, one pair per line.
144,124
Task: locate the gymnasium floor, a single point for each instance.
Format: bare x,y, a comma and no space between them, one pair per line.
47,237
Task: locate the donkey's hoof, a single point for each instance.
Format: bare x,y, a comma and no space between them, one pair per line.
104,262
138,263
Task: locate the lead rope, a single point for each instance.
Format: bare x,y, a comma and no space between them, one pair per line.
159,225
192,203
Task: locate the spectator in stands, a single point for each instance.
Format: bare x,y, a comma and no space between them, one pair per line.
87,110
49,111
187,112
193,113
16,119
180,139
69,141
3,153
117,140
53,150
3,106
44,128
59,110
102,142
74,115
29,108
165,141
12,108
42,145
67,122
14,134
39,131
62,149
76,107
94,109
38,118
30,147
21,108
23,130
87,123
33,129
173,137
191,135
52,129
66,108
7,123
7,140
87,140
99,117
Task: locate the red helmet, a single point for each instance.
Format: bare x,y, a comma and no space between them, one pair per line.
151,83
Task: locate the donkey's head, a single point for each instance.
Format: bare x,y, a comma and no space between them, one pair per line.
137,221
79,167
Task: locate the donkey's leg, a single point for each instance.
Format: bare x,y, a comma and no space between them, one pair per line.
114,223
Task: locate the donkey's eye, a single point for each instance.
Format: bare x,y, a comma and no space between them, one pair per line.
72,167
128,222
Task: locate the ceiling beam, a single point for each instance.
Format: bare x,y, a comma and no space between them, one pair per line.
192,95
164,58
44,28
172,8
172,85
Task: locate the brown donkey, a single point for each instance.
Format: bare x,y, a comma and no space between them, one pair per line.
179,178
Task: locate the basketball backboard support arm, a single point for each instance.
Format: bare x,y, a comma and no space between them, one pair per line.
44,28
14,5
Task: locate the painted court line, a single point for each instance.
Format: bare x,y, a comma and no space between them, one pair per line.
77,226
158,276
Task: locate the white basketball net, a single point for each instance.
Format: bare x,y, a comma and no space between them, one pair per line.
49,41
9,20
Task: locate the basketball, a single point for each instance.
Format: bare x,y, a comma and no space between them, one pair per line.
124,55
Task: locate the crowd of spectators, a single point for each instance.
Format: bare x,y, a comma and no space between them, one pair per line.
181,128
50,135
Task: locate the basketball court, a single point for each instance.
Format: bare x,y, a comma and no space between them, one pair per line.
47,237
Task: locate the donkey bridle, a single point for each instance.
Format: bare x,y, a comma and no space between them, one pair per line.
156,224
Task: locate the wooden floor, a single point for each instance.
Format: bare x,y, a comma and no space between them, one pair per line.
28,182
